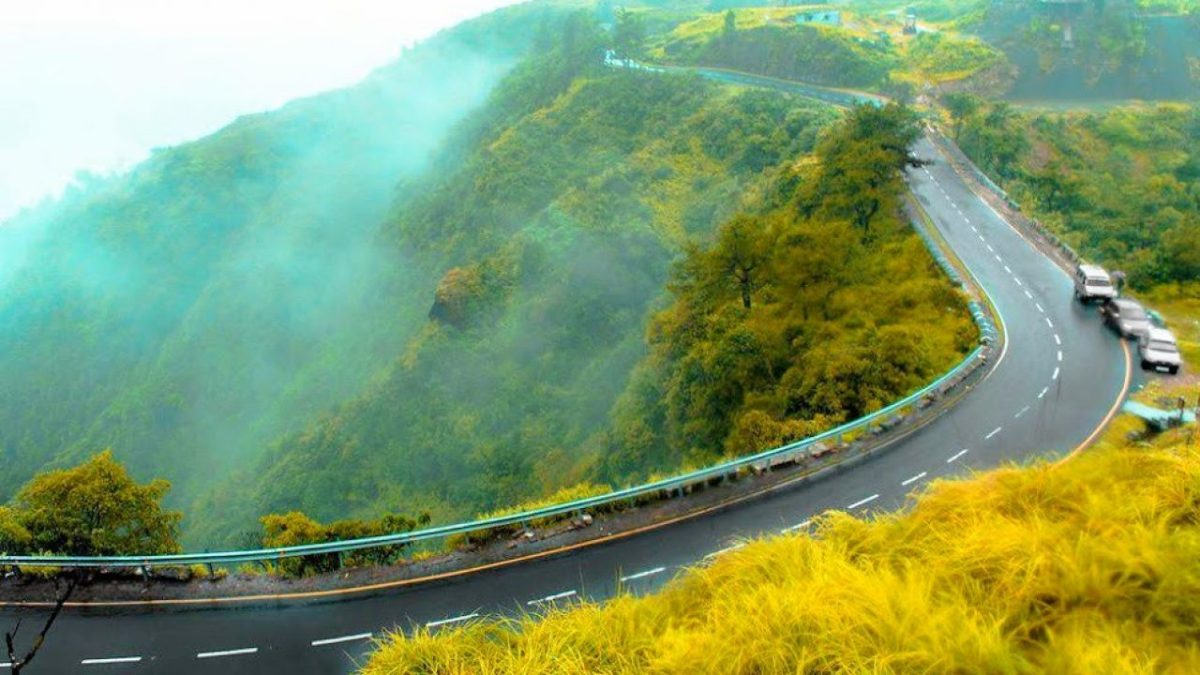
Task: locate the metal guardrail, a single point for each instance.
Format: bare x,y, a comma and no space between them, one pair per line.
792,451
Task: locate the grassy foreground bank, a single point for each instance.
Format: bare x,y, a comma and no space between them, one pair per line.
1084,567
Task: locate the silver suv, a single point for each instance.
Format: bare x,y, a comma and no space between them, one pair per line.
1158,350
1093,283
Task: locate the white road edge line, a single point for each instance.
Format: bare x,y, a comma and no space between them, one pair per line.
456,619
993,434
862,502
955,458
231,652
643,575
551,598
102,662
797,526
344,638
1022,412
915,478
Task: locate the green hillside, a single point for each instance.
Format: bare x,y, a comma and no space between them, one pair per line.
226,290
476,279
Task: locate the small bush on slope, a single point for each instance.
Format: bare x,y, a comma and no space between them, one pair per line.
1090,566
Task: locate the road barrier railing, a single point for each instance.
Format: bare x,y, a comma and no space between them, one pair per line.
876,422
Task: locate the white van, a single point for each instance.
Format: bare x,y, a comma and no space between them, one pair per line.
1093,283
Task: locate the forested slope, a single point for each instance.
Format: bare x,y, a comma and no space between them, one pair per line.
475,279
226,290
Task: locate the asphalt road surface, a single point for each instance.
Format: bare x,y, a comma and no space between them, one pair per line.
1061,375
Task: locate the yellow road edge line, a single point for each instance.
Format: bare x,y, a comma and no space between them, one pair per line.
1113,411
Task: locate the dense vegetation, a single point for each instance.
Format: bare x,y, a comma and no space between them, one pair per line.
772,336
92,509
307,315
1122,186
1088,566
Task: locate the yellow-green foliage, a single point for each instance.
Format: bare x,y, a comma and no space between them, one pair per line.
1088,566
568,494
940,57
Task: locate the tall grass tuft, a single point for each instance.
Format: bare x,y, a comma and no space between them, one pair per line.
1087,566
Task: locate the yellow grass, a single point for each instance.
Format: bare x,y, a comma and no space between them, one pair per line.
1091,566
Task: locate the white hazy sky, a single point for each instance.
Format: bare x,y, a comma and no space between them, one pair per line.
95,84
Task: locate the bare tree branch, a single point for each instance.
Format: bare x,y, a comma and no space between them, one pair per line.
16,664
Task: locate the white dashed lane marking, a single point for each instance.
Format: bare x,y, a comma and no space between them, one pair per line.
230,652
1044,392
1056,373
1022,412
455,619
643,575
958,456
110,661
862,502
551,598
993,434
1057,340
915,478
339,640
728,549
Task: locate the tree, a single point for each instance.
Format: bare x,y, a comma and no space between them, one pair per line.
962,106
296,528
96,509
730,27
629,35
737,260
862,159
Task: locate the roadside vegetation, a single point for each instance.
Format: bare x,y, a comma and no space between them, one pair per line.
95,508
1092,565
1121,186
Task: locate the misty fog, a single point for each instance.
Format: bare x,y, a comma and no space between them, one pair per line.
95,86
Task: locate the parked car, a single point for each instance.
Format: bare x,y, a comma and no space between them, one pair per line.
1158,350
1092,282
1126,317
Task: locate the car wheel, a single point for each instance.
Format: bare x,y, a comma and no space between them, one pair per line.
1174,370
1145,365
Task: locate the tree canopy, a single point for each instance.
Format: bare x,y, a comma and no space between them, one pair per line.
95,508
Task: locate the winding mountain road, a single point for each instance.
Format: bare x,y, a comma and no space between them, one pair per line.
1058,381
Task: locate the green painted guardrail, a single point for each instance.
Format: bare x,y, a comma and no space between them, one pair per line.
657,488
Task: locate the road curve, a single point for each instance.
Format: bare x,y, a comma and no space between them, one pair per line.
1057,383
